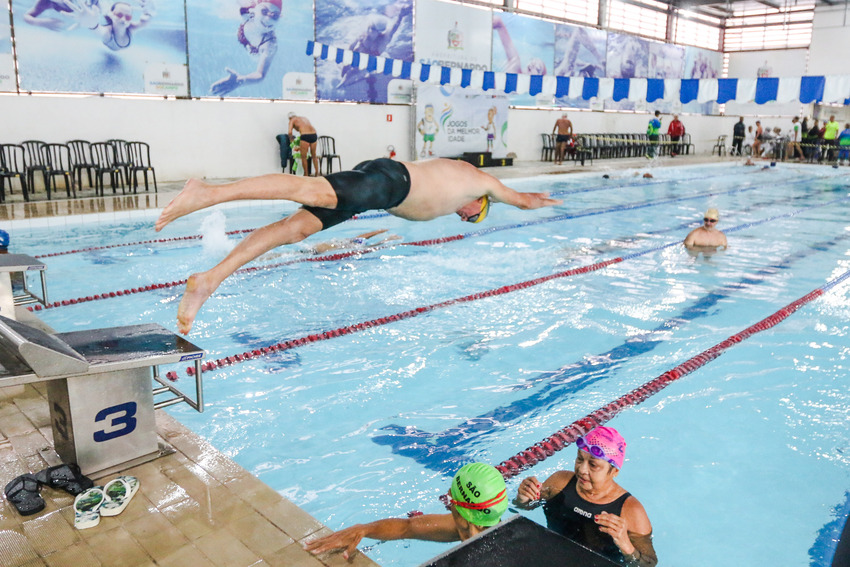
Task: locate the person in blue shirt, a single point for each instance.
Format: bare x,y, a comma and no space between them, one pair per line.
652,131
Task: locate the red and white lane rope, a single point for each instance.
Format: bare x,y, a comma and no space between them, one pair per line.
562,438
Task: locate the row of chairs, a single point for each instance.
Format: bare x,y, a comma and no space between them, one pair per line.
576,152
326,146
602,146
120,160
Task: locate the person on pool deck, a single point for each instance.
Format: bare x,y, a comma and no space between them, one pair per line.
418,191
308,140
589,507
707,235
478,498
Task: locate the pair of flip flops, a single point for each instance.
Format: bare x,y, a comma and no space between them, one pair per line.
109,500
23,491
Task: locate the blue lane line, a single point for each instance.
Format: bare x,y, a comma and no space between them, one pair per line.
443,451
823,550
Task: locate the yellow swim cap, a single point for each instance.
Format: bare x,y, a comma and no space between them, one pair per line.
482,214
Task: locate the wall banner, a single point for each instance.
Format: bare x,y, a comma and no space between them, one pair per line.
452,120
98,47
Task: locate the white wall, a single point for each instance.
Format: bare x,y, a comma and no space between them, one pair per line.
215,139
830,28
192,138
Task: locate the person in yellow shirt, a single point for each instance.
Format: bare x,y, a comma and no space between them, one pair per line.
830,138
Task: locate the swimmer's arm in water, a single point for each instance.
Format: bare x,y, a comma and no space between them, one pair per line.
234,80
431,527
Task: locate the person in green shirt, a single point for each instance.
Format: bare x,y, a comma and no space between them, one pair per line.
830,137
652,130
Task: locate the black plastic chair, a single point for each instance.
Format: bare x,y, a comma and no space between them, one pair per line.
12,166
81,160
140,158
327,153
34,162
103,155
58,160
122,156
547,152
720,145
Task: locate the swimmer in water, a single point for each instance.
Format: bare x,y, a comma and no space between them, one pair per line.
707,237
420,191
472,512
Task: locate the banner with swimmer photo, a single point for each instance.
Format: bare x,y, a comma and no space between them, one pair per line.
7,63
454,120
101,47
522,44
383,28
250,49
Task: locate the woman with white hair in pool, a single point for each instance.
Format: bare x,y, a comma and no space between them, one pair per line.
589,507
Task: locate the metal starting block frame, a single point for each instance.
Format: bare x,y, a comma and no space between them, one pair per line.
23,264
99,387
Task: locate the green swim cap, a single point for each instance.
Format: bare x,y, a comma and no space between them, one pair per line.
479,494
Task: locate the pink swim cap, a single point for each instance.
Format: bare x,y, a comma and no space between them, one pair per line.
604,443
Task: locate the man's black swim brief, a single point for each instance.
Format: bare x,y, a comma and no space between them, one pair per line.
376,184
309,138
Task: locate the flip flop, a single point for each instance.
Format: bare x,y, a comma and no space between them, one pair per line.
87,508
22,492
67,477
119,492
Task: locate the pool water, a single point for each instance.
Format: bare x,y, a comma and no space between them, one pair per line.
742,462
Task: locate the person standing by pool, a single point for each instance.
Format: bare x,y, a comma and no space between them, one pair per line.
419,191
830,138
707,235
563,131
652,130
676,130
308,140
589,507
739,132
478,498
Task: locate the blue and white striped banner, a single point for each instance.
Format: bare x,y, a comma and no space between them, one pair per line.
829,88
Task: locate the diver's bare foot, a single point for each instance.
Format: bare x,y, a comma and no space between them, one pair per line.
197,292
194,197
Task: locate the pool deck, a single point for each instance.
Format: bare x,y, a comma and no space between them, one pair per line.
195,506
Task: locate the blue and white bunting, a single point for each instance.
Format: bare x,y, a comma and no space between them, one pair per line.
832,89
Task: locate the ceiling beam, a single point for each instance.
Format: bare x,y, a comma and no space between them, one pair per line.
773,5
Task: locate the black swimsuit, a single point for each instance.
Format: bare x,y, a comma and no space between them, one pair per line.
309,138
572,516
376,184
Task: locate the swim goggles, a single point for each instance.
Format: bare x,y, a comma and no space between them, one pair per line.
481,505
482,214
708,220
595,450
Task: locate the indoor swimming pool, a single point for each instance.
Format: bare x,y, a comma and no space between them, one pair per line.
468,342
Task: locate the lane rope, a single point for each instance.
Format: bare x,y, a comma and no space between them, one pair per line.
362,326
567,435
358,217
428,242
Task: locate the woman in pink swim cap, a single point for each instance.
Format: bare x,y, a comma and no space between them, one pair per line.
589,507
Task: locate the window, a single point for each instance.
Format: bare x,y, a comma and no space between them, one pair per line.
641,17
756,27
697,30
582,11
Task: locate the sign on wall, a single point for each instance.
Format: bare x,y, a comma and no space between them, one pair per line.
523,45
383,28
96,47
579,52
453,35
250,48
452,120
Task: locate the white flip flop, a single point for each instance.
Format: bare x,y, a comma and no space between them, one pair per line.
118,492
87,508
